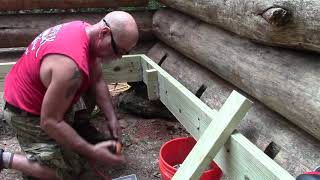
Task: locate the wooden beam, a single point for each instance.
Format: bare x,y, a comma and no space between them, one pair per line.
291,90
240,159
128,69
67,4
15,32
150,78
214,137
185,106
277,23
152,84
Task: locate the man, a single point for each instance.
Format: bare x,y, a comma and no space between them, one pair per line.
42,93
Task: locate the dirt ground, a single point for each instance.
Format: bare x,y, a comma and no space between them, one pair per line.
142,139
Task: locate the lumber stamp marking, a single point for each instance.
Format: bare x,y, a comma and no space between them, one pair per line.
214,137
128,69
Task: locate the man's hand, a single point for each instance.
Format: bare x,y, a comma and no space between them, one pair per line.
115,129
104,155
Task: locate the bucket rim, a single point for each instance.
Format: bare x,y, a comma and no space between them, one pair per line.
166,143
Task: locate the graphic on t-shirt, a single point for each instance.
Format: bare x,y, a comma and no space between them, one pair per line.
46,36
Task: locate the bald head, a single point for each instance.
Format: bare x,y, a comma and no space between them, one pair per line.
124,29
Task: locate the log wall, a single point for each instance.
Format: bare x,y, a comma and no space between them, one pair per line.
286,81
20,30
289,23
66,4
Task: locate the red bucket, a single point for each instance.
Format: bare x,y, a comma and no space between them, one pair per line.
175,152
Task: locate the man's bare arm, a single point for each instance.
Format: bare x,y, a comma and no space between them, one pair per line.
104,101
63,79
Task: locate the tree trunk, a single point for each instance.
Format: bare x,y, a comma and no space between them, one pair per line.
298,151
290,23
66,4
284,80
20,30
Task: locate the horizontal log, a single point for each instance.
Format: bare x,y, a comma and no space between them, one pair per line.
67,4
13,54
286,81
20,30
290,23
298,151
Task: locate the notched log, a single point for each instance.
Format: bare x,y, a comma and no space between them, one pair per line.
284,80
284,23
277,16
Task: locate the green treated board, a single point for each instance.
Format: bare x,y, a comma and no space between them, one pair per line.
185,106
150,78
214,137
152,84
128,69
240,159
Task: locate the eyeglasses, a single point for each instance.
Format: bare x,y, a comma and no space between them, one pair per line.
113,43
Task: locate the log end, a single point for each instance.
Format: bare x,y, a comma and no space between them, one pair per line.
277,16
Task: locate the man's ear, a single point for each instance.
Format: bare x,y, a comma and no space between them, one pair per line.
106,31
103,32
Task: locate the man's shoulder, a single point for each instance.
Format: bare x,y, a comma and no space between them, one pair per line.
77,25
60,61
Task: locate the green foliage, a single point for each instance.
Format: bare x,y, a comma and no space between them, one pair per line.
154,4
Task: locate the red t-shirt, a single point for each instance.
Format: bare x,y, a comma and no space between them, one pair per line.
23,87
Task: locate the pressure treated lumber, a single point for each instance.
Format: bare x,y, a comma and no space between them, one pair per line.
286,81
290,23
127,71
196,117
20,30
299,151
189,110
7,5
214,137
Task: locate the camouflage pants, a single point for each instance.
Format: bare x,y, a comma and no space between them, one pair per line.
39,147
